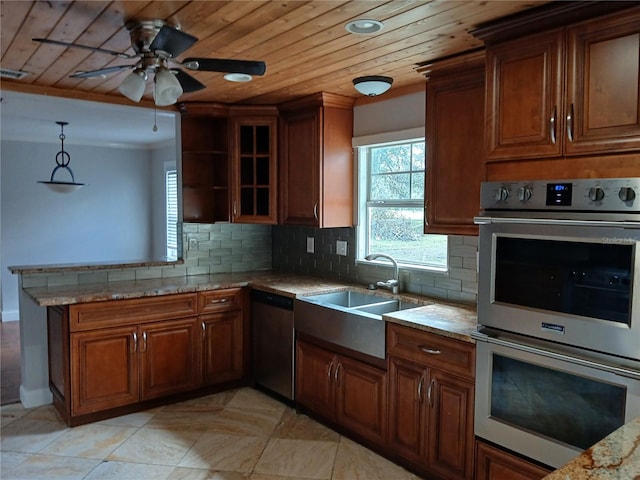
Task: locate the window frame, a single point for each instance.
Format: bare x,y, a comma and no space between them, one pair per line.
363,203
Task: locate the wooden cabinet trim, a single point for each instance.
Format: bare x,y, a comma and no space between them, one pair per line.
495,464
452,356
92,315
220,300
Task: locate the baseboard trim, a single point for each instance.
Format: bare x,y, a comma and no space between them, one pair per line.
35,398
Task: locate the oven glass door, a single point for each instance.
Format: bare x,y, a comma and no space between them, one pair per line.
546,407
589,279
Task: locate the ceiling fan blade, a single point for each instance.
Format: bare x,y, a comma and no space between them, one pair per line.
101,71
86,47
249,67
188,83
172,41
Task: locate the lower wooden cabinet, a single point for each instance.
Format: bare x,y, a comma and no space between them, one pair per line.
431,401
107,356
345,391
495,464
222,347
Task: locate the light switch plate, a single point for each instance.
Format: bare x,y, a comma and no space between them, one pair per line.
341,248
310,245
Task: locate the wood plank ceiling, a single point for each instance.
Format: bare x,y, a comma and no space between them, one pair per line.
304,43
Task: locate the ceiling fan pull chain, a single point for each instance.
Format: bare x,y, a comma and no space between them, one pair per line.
155,118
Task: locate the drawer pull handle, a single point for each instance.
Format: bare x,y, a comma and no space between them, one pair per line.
144,341
420,388
337,373
135,342
430,351
330,368
219,300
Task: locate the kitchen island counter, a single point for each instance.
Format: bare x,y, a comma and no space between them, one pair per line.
615,457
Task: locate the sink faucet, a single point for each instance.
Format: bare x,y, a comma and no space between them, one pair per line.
392,284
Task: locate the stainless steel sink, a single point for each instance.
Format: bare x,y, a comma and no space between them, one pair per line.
348,318
347,298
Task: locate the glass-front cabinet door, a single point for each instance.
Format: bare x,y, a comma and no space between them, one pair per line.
254,165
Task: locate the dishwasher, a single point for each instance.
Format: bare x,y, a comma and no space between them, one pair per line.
273,344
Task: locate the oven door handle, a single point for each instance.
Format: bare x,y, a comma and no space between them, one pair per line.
617,370
556,221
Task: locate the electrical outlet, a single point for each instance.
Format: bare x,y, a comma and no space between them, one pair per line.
310,244
193,243
341,248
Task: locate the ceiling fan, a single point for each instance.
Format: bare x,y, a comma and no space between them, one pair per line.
156,45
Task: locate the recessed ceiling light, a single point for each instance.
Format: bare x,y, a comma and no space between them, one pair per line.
238,77
364,26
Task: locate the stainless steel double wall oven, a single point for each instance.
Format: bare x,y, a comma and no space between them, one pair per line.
558,343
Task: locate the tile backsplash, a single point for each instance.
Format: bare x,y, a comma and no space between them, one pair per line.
289,245
226,248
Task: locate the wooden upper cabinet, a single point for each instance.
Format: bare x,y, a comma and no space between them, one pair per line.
316,161
524,88
254,164
206,172
455,144
603,76
567,91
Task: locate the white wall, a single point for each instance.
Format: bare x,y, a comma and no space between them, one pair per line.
396,114
110,219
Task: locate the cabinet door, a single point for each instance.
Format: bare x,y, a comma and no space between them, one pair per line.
222,347
494,464
169,354
300,167
254,149
104,369
314,378
407,416
450,443
603,74
524,88
361,399
455,143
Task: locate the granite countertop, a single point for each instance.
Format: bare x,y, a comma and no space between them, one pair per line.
615,457
454,321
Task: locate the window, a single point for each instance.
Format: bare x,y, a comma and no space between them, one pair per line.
171,182
392,179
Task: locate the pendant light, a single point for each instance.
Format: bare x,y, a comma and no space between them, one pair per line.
62,161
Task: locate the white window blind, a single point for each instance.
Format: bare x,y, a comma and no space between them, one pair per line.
171,178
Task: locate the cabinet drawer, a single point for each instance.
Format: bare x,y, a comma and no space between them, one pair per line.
220,300
88,316
451,356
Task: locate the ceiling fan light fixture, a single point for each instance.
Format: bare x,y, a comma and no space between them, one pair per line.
167,88
237,77
364,26
134,84
372,85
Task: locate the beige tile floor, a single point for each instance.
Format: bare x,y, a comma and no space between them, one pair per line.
240,434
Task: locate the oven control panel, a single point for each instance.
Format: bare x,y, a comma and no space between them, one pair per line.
583,195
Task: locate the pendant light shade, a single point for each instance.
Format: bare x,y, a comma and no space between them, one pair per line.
134,84
167,88
372,85
62,163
